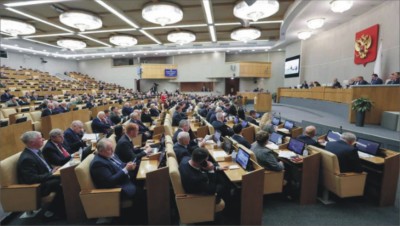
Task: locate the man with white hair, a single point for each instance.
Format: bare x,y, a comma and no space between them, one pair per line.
143,129
181,147
32,168
55,151
73,136
308,136
346,153
48,110
221,126
99,124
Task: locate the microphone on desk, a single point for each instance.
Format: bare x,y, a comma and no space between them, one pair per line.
279,114
340,130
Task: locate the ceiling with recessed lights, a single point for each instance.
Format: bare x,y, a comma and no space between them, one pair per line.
211,21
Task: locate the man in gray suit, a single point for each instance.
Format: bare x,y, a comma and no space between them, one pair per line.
264,156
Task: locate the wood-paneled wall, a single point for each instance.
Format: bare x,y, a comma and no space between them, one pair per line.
255,69
157,71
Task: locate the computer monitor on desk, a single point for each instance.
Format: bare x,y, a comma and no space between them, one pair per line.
236,120
296,146
243,159
288,125
244,124
332,136
227,145
276,121
276,138
217,136
367,146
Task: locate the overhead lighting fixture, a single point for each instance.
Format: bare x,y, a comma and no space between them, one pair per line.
211,29
123,40
117,13
207,9
258,10
339,6
16,27
35,2
49,35
181,37
316,23
245,34
71,44
162,13
304,35
81,20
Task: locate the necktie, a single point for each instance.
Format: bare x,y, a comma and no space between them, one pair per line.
116,162
43,160
63,151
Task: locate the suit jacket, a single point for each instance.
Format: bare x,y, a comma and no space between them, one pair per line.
363,82
146,118
336,85
265,157
393,82
154,112
99,126
31,170
181,152
5,97
53,155
197,181
347,156
115,118
125,150
142,127
73,140
232,110
126,111
176,118
241,140
377,81
106,174
308,140
46,112
251,120
223,128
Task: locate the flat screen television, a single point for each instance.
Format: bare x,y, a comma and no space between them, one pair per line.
292,67
276,121
296,146
332,136
243,158
367,146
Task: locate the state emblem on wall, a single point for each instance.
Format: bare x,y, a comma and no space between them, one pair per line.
366,45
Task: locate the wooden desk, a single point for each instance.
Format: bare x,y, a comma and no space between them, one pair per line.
382,177
145,167
234,175
308,170
294,132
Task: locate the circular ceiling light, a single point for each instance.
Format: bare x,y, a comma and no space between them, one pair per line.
162,13
258,10
339,6
123,40
81,20
71,44
181,37
304,35
245,34
16,27
315,23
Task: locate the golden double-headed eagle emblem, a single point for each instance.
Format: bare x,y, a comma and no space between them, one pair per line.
362,46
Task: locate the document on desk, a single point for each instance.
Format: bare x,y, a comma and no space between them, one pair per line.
219,155
272,146
364,155
286,154
90,136
283,130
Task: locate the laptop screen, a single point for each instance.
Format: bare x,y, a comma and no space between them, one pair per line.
236,120
244,124
296,146
367,146
227,145
242,158
288,125
332,136
276,121
276,138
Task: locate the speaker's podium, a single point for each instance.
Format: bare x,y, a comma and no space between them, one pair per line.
262,102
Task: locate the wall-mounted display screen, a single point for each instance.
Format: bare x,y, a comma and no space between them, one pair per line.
292,67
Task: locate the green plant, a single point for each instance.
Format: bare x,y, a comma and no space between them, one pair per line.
361,104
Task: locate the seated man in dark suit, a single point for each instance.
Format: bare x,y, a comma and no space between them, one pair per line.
375,80
252,117
73,136
108,171
181,147
48,110
6,96
145,116
265,156
32,168
202,110
154,111
221,126
125,149
115,115
143,129
360,81
336,84
237,129
55,152
307,137
346,153
99,124
394,78
198,174
178,116
127,109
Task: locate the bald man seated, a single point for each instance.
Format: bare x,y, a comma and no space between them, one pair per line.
308,136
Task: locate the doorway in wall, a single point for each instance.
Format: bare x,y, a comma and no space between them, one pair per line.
137,81
231,86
